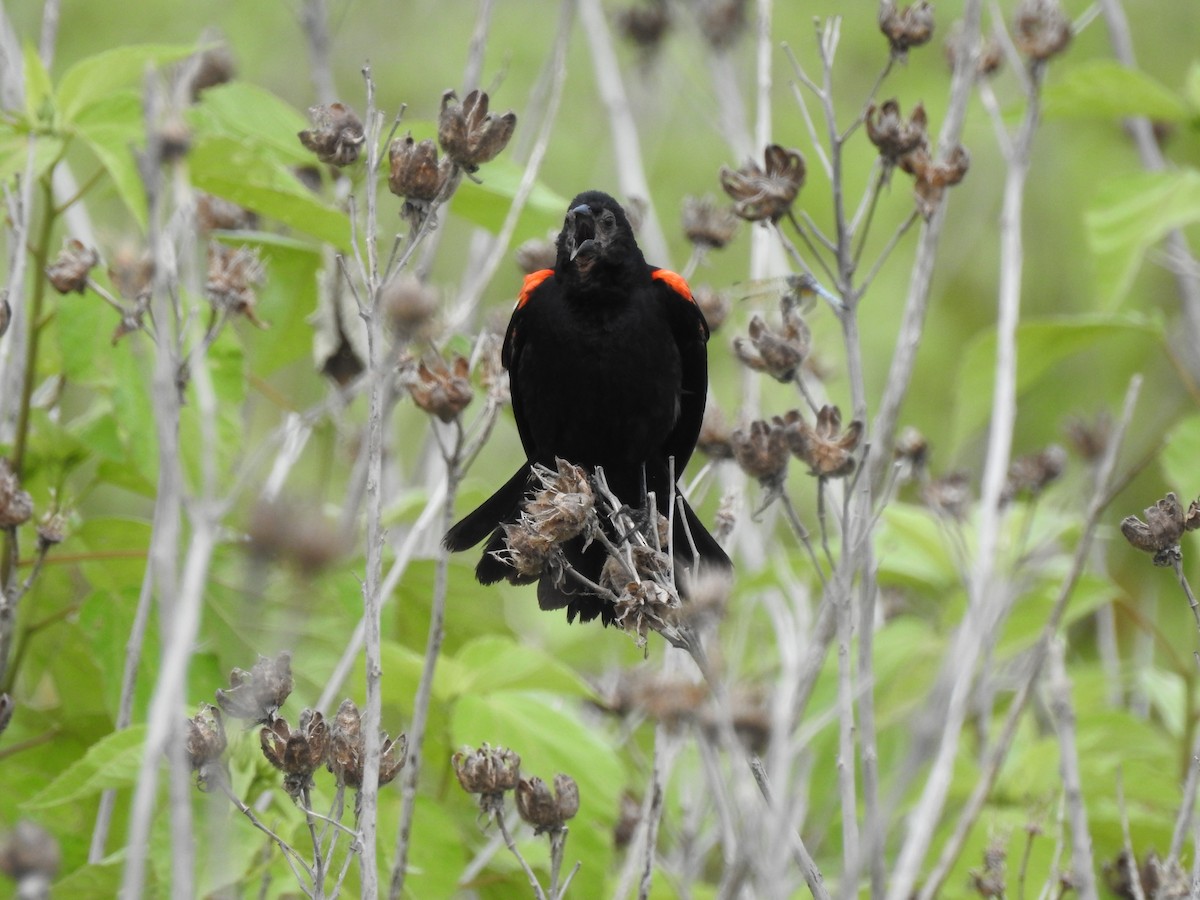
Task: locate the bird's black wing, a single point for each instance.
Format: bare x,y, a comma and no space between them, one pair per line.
691,334
540,287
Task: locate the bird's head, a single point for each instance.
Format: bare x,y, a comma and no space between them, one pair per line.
595,237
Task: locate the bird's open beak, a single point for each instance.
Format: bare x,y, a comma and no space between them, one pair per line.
582,230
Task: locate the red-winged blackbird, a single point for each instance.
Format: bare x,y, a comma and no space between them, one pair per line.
607,364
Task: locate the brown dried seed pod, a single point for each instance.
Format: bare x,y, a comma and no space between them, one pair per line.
70,269
706,224
765,192
257,695
905,28
414,170
470,135
336,136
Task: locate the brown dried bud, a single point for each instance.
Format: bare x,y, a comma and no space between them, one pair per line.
546,811
648,564
297,534
990,881
489,772
645,25
715,439
5,312
131,272
205,743
1090,439
257,695
932,178
765,193
409,306
1032,473
536,254
442,391
174,140
1165,524
347,749
219,214
526,551
721,22
233,274
912,449
991,54
762,450
628,817
778,353
296,753
336,135
1042,29
715,305
888,131
908,27
30,856
828,453
16,504
415,173
645,606
707,225
70,269
949,495
469,134
51,531
562,507
209,68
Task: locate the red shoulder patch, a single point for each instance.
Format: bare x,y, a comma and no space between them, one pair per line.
532,280
674,281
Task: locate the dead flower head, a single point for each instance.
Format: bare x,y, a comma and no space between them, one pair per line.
828,451
991,55
721,22
1034,472
489,772
205,744
644,24
909,27
31,857
912,450
562,506
71,268
933,177
441,390
468,133
1041,30
766,192
715,439
536,254
336,136
16,504
1166,521
645,606
218,214
257,695
778,353
296,753
891,134
52,530
409,305
1089,439
415,172
761,449
949,495
714,304
546,811
233,275
706,224
347,749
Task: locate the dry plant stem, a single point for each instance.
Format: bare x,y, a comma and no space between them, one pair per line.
630,168
1187,276
498,816
315,20
804,859
1187,807
1083,868
433,648
652,812
294,860
1135,880
981,620
999,751
912,324
1187,589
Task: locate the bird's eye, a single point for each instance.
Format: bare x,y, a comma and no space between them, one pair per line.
608,219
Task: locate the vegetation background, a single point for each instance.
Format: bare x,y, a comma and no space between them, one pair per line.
269,470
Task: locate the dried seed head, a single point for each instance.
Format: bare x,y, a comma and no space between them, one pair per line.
777,353
70,269
393,755
470,135
1042,29
131,272
1090,439
205,743
415,173
336,136
911,26
297,534
721,22
991,54
715,305
912,450
628,818
51,530
767,192
644,25
828,453
762,451
16,504
219,214
440,390
174,140
535,254
296,753
257,695
546,811
707,225
488,772
409,306
949,495
932,178
526,551
345,750
210,68
562,507
648,565
990,881
715,439
1166,521
645,606
888,131
1033,473
233,275
30,856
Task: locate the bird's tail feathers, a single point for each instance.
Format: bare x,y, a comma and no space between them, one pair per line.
501,507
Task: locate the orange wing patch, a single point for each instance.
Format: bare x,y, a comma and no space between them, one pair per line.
675,282
532,280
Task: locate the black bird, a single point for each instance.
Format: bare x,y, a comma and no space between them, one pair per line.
607,366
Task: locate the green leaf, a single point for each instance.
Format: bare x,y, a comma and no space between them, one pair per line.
487,203
1105,89
1180,451
1040,344
37,87
1192,85
250,177
911,548
1130,214
95,78
252,115
112,129
493,663
14,154
112,762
